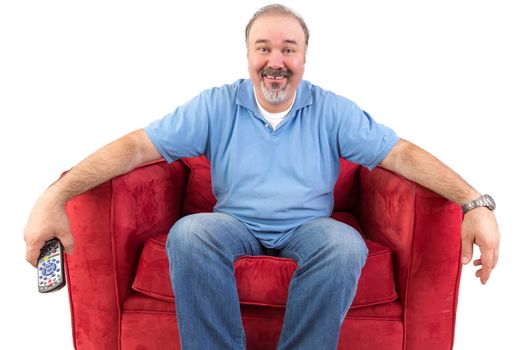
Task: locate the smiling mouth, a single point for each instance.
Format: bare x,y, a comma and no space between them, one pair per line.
275,74
274,78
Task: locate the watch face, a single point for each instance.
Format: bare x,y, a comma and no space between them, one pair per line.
491,204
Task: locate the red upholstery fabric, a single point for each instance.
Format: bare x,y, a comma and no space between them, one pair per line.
155,326
100,271
264,280
92,267
117,224
420,224
199,195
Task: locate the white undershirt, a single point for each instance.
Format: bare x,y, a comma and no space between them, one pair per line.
273,118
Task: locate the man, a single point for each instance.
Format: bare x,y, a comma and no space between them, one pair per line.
274,143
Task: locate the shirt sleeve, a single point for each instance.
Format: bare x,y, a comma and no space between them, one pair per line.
183,133
361,139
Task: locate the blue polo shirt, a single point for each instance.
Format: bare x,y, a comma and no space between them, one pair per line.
272,180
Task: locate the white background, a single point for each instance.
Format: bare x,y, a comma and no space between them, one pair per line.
447,75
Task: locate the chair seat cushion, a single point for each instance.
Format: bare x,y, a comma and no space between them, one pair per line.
264,280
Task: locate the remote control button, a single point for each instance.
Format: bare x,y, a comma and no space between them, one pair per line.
49,268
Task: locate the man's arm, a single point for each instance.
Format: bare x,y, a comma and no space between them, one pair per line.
48,217
479,225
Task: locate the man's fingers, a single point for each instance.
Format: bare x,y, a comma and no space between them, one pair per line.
32,256
485,274
466,249
34,247
48,219
487,262
33,252
480,228
66,238
496,256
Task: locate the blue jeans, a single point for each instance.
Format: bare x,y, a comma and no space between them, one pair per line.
202,249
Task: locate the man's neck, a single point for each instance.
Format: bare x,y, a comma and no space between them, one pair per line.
271,108
274,108
274,118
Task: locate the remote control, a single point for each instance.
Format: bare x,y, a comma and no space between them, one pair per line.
51,267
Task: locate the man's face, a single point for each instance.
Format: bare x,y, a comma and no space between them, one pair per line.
276,57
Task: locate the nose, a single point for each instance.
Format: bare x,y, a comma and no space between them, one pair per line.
275,59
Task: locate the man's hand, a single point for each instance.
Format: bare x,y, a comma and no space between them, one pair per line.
48,219
479,225
480,228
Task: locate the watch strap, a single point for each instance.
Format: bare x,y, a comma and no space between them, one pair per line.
483,201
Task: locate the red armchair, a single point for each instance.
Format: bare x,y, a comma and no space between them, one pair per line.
118,280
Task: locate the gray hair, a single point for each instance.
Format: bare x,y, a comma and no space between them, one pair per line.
277,9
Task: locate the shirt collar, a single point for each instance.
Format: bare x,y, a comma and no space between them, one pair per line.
246,96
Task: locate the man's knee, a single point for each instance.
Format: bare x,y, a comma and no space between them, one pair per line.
347,247
355,247
188,232
332,241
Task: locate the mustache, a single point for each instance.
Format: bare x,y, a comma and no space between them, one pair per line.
281,72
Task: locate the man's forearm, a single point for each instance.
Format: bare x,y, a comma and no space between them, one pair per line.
118,157
419,166
479,226
48,218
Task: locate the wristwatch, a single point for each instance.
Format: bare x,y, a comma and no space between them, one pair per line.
483,201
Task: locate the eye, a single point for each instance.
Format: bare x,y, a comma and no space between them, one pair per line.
288,51
262,49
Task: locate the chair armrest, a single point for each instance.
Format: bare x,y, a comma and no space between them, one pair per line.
424,231
110,223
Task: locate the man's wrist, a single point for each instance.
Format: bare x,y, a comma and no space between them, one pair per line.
54,196
482,201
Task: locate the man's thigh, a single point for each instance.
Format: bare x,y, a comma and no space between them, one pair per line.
213,231
326,236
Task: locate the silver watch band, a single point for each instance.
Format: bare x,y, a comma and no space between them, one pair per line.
483,201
